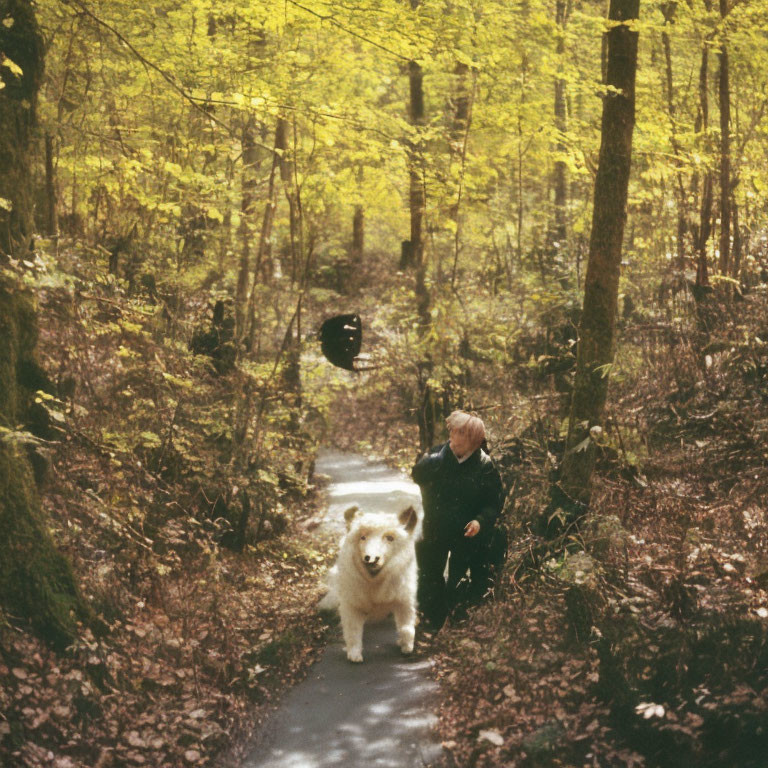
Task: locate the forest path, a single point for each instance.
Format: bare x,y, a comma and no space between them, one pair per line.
380,712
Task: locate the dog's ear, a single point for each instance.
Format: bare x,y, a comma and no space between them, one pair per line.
349,514
408,519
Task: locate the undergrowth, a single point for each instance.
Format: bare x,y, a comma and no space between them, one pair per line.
180,513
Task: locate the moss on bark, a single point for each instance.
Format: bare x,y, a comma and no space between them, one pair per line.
18,337
36,580
22,43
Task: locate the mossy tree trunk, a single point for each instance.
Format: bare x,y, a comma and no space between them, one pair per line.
36,581
598,324
22,43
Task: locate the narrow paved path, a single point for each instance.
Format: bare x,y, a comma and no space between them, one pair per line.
378,713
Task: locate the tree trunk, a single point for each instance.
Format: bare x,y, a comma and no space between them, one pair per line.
520,205
417,199
725,153
428,406
287,176
291,373
520,157
416,196
559,229
681,195
598,323
462,119
704,231
36,580
704,228
413,255
462,103
358,235
737,241
23,45
416,188
51,213
264,264
247,194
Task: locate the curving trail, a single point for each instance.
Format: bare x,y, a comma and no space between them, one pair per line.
378,713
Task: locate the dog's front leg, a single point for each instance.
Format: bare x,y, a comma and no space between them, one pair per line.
352,622
405,620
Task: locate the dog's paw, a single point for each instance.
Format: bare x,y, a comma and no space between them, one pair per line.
355,654
406,640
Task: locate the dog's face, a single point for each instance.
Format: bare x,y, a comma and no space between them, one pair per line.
377,537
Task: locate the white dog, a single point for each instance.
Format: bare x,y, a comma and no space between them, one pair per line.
375,575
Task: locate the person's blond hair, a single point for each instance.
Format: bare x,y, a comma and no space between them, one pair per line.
467,424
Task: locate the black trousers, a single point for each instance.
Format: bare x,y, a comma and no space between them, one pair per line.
476,556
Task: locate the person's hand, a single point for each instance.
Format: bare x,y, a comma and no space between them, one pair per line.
471,529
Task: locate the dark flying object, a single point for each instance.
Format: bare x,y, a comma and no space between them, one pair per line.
341,337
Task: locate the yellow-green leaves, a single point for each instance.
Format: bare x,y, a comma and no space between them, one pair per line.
14,68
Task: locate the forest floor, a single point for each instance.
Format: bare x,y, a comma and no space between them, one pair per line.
193,663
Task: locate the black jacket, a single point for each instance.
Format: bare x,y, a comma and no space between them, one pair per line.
453,493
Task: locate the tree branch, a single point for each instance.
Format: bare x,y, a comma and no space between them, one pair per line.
331,20
151,65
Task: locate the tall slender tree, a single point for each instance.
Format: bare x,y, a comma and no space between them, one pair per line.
559,227
264,266
703,229
417,197
459,144
247,201
358,235
597,330
724,92
681,193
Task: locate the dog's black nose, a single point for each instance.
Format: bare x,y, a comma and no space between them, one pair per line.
373,560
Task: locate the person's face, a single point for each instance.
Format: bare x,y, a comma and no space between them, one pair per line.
460,443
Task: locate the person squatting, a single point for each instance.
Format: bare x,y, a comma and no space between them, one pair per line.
462,496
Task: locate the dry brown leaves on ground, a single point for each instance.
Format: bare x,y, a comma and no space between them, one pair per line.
200,643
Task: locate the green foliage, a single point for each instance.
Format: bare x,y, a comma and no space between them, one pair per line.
150,137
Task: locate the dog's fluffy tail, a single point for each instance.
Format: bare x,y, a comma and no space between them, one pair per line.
330,602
